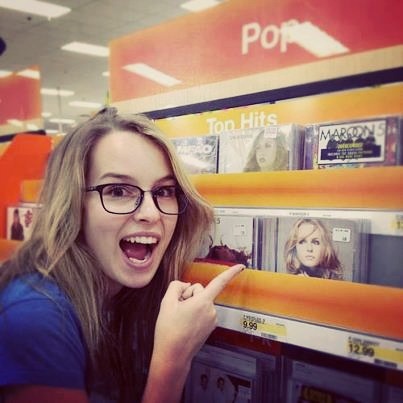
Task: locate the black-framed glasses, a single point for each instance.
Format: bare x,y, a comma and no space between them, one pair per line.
123,198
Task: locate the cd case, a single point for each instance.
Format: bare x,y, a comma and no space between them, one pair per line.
261,149
198,154
332,248
231,374
20,220
231,240
305,382
354,143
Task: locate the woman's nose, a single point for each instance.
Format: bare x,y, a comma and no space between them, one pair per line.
147,210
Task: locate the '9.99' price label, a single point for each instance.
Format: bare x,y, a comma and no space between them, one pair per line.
260,326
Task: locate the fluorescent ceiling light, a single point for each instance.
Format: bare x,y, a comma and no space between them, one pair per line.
87,49
52,131
5,73
32,126
199,5
314,40
46,114
42,8
149,72
15,122
85,104
29,73
105,73
56,92
63,121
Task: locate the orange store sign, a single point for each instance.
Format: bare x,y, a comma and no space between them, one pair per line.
240,38
20,103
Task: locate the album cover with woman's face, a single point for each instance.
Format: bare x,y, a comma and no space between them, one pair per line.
332,248
261,149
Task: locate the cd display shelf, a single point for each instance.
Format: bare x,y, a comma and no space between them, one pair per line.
357,321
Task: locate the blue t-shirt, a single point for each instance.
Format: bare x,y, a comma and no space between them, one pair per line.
41,342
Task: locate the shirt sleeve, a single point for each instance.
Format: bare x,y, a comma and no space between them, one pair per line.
41,344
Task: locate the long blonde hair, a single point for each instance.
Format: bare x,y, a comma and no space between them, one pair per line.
57,249
281,160
330,265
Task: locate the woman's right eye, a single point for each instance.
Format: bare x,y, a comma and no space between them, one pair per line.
117,191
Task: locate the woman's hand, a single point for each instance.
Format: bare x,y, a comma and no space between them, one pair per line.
187,317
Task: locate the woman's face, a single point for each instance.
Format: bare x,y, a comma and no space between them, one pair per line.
310,245
266,150
130,246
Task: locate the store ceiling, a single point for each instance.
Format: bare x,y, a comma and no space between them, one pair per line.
33,40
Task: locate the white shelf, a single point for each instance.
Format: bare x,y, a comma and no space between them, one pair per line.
374,350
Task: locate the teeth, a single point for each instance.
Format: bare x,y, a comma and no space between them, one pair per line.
142,239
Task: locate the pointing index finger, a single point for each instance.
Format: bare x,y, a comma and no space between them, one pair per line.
218,283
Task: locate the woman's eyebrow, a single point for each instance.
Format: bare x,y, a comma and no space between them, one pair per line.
113,175
165,179
128,178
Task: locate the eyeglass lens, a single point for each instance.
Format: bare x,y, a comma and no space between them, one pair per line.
124,199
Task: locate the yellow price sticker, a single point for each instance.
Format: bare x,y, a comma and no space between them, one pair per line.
372,350
397,223
262,327
387,354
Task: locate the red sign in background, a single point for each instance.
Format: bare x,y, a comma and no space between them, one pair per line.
240,38
20,98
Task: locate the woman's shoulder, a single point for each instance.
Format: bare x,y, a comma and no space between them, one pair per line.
31,301
30,287
40,333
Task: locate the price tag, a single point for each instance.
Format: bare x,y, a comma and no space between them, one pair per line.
374,352
263,327
239,229
341,234
270,132
397,224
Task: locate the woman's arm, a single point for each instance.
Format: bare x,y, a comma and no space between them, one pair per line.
187,317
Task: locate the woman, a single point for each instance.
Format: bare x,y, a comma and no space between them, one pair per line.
309,251
88,306
16,228
268,153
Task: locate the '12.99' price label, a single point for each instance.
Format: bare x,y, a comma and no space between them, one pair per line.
361,347
374,352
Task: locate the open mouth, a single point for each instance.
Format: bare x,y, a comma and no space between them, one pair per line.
138,248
